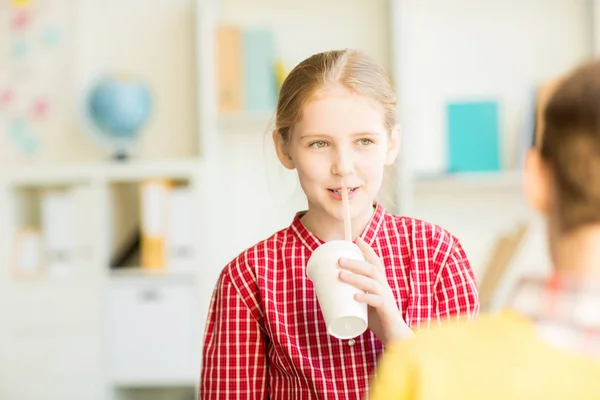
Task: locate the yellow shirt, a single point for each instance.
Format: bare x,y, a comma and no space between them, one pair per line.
494,357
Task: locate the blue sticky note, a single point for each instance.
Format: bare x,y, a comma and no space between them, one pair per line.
30,145
18,129
473,136
20,134
259,58
20,48
51,37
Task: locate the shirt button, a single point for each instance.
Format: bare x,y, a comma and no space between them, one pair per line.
351,342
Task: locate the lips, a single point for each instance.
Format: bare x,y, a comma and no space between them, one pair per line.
339,190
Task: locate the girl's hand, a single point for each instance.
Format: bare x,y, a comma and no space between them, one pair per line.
385,319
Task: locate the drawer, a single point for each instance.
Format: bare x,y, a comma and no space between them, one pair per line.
151,329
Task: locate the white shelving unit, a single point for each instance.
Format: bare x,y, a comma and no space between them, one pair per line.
460,182
107,329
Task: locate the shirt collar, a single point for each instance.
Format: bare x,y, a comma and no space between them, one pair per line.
311,241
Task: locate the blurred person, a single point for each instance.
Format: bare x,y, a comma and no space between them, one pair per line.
265,336
546,345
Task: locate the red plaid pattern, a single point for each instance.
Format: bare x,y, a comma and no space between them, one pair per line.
265,336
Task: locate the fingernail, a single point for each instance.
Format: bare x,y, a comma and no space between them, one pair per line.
343,261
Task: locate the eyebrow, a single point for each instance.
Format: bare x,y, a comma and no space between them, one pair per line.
326,135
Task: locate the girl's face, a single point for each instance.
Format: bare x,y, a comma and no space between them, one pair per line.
340,138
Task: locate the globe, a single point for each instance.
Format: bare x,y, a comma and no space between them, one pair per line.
118,107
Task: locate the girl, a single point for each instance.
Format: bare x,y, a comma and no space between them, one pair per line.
265,335
548,347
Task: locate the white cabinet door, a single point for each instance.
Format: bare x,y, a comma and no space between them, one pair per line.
151,333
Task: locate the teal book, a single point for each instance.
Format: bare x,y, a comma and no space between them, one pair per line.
473,136
260,86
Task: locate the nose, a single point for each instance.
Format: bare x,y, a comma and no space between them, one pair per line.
343,163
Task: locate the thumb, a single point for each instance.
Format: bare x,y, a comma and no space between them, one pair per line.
369,253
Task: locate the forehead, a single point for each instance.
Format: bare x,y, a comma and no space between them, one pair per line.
338,111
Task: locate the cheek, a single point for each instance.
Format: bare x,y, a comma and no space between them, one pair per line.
372,169
308,172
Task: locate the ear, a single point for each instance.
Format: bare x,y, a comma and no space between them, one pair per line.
537,183
282,149
393,147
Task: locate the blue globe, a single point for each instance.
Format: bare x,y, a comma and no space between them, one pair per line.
119,107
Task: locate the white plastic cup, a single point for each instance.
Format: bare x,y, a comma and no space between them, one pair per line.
345,317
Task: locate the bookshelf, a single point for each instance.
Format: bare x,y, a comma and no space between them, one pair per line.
136,327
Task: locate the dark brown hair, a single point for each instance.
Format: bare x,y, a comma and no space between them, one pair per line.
570,145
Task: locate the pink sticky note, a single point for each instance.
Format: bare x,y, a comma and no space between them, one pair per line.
40,108
20,20
6,96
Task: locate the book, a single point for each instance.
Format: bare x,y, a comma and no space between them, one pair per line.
229,69
473,136
259,66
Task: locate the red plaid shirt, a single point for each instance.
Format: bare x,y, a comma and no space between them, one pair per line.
265,335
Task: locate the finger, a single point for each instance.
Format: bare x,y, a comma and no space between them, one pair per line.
361,282
369,253
359,267
374,300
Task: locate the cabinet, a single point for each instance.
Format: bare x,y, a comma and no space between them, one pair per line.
151,326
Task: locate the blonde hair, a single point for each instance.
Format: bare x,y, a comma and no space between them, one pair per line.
352,69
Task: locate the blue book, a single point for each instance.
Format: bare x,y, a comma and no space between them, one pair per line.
260,86
473,136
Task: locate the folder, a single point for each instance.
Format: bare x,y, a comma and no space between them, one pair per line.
229,69
58,231
27,253
180,233
154,198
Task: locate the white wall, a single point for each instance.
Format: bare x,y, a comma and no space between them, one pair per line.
41,72
471,50
596,25
482,49
98,37
259,195
306,27
154,42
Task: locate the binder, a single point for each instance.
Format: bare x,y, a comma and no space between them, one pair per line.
229,69
58,231
180,233
154,198
260,82
27,253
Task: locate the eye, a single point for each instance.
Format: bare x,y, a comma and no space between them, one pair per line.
365,141
319,144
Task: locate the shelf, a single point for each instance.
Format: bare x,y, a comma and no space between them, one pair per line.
138,272
152,383
44,175
502,180
247,121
